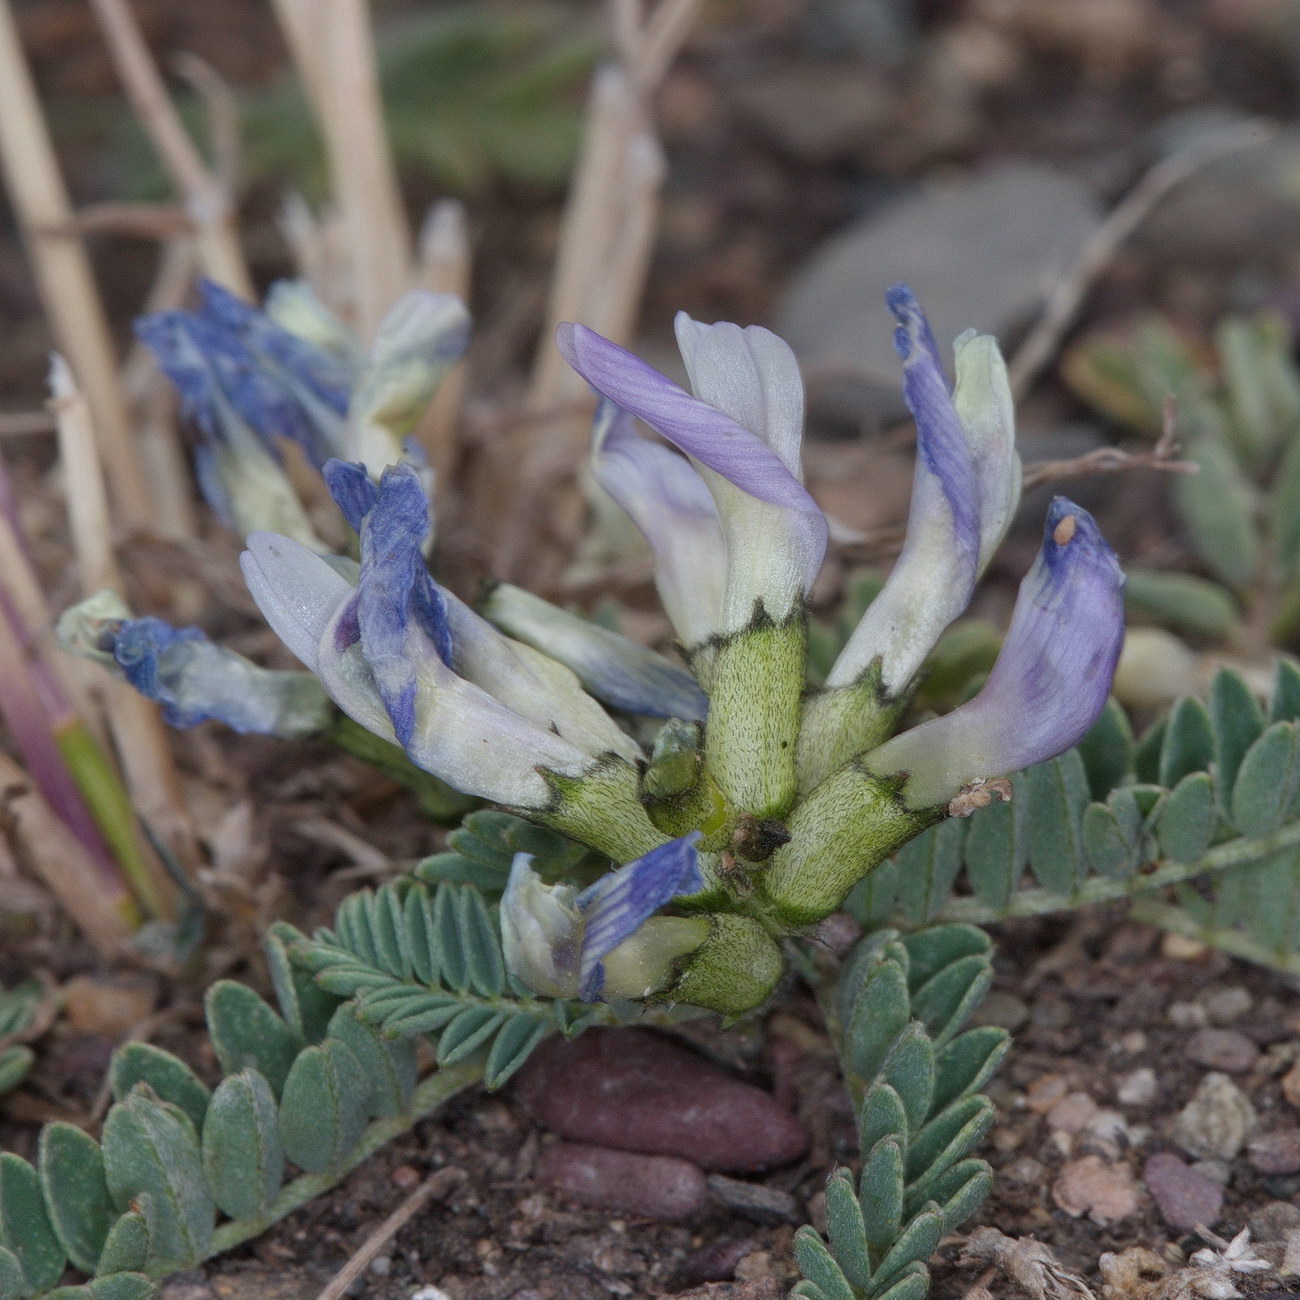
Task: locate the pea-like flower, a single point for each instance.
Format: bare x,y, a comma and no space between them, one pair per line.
600,942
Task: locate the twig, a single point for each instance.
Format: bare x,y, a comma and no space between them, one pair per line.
137,730
223,116
435,1183
1042,342
22,424
443,266
62,269
206,199
1109,460
143,220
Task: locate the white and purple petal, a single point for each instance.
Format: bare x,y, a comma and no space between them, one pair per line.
620,672
619,903
668,501
773,555
1049,683
932,580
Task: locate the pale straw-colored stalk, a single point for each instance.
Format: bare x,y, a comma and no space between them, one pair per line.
139,736
604,255
443,265
207,201
61,861
333,50
68,292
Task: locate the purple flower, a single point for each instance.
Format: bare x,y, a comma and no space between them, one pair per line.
557,940
741,432
1049,683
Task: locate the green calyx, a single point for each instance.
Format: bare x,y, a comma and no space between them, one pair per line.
850,824
734,970
601,808
679,794
756,681
843,721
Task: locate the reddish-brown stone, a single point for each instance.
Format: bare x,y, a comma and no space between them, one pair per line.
655,1187
641,1091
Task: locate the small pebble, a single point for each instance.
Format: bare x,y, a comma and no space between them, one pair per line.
1187,1015
1222,1049
1137,1088
1045,1092
641,1091
1225,1006
1133,1042
1090,1185
1002,1009
1178,947
1275,1153
1073,1113
1024,1170
716,1261
657,1187
430,1293
1217,1120
1291,1085
1183,1196
381,1265
405,1177
1274,1221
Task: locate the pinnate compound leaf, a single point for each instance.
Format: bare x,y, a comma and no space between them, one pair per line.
1284,706
913,1284
879,1014
76,1194
996,852
246,1032
909,1070
945,1001
930,951
1107,750
304,1005
242,1152
927,870
25,1226
324,1107
166,1074
469,1031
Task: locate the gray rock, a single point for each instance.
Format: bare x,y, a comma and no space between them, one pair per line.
657,1187
978,255
1274,1221
1225,1006
1138,1088
1222,1049
1217,1120
1183,1196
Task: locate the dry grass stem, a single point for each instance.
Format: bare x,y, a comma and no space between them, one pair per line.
140,739
443,265
207,201
360,162
1065,300
222,107
61,861
62,269
140,220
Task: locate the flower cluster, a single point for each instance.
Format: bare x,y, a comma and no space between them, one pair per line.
759,804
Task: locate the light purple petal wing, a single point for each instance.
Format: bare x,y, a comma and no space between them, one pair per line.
1050,681
619,903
